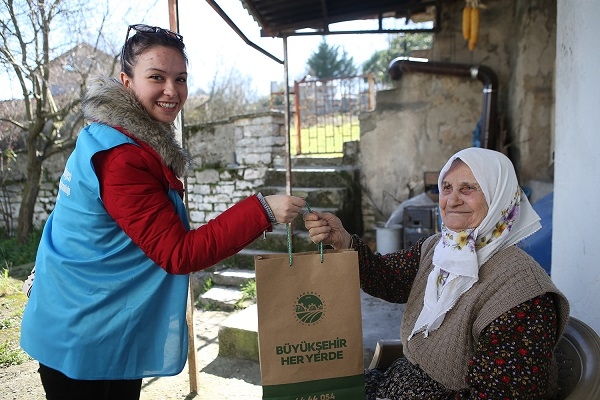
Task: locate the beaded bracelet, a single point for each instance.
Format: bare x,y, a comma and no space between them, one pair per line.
267,208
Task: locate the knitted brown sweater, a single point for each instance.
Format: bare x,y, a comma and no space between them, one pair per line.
509,278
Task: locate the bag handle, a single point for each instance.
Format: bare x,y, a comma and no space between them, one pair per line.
289,241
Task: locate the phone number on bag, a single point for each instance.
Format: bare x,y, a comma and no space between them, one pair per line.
322,397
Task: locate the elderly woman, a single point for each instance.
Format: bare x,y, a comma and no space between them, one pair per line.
482,318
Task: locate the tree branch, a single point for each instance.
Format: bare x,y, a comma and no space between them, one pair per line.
14,122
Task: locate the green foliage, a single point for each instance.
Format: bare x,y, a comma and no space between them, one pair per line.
16,260
401,45
204,306
13,253
248,294
8,155
5,283
12,304
249,288
208,284
329,62
11,355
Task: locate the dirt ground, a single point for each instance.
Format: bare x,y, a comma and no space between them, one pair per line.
218,377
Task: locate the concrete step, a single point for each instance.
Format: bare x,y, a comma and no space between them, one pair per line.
226,293
232,277
330,197
313,176
245,258
224,298
238,335
308,161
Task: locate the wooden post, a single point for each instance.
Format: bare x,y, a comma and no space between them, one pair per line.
192,362
173,16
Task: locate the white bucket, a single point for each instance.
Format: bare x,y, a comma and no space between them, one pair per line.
388,238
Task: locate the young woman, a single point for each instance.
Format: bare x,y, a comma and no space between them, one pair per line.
109,300
482,318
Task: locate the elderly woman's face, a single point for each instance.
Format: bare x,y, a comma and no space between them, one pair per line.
462,203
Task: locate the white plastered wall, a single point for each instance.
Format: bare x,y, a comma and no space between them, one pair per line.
576,214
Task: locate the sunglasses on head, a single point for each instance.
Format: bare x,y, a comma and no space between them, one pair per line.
152,29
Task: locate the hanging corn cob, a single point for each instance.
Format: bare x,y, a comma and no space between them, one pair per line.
470,22
466,22
474,28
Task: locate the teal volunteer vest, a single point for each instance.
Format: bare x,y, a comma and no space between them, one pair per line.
100,309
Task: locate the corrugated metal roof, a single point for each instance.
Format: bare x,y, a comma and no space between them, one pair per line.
279,18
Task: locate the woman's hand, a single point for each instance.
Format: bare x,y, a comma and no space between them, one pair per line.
327,228
286,208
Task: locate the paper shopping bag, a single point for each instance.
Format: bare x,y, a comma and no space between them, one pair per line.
310,326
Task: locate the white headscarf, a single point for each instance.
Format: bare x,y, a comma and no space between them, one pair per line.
458,255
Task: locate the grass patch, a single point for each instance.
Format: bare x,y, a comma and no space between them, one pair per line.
13,253
16,262
248,294
324,138
207,284
12,304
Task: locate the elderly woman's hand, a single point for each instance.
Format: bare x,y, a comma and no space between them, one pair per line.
327,228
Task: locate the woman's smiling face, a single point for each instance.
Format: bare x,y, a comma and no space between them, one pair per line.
159,82
462,202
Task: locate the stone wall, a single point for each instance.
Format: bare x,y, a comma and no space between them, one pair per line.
10,199
12,187
230,161
420,123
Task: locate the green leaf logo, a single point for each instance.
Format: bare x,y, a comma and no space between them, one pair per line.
309,308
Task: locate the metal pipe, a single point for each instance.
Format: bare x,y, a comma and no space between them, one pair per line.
288,151
237,30
489,114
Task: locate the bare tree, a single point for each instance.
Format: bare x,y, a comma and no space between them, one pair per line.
7,158
42,47
230,94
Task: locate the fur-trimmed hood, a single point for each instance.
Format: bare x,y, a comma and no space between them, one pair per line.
109,102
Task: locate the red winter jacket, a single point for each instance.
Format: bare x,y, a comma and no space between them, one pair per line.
134,183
